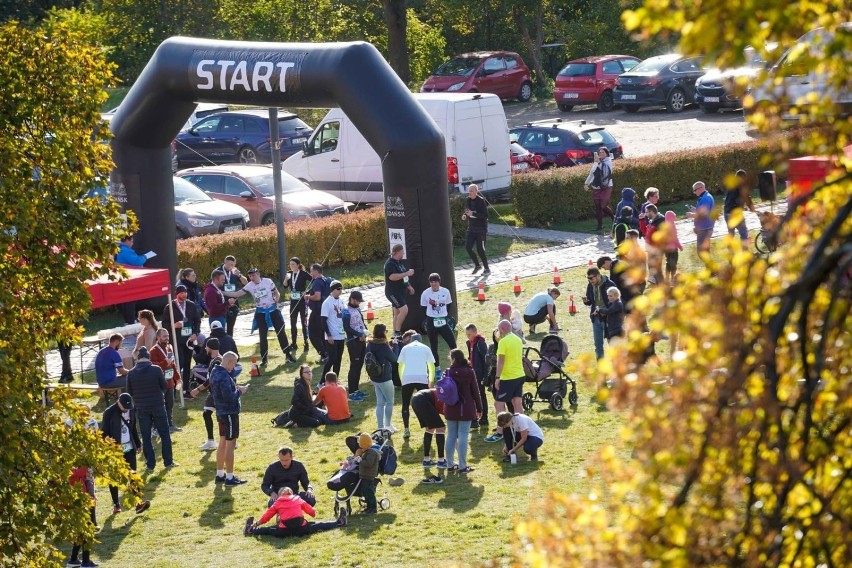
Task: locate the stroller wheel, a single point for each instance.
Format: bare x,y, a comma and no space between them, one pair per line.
572,397
384,504
527,401
556,401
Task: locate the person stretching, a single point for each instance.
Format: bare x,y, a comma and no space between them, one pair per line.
290,510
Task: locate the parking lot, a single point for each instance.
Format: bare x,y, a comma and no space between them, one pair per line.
649,131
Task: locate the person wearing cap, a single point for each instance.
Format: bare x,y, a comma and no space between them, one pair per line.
163,357
436,299
119,425
226,342
506,311
332,323
368,469
356,344
541,308
397,286
146,383
476,215
266,313
187,326
108,363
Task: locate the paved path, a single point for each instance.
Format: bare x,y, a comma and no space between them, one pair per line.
572,250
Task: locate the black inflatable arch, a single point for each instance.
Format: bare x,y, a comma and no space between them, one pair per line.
354,76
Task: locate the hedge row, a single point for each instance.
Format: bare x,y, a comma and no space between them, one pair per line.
556,195
363,238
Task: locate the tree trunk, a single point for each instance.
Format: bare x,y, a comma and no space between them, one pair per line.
395,18
533,47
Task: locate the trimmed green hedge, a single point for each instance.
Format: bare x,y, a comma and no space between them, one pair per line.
556,195
363,237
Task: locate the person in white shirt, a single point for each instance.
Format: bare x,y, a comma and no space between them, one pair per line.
416,368
266,313
436,300
332,322
519,431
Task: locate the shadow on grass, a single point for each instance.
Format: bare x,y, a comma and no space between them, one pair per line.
523,467
112,534
459,493
221,506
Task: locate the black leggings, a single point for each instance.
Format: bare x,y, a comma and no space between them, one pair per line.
356,362
298,311
304,530
335,358
316,332
484,402
208,423
130,458
407,392
445,332
477,239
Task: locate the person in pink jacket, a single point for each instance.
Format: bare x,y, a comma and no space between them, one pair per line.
671,246
290,510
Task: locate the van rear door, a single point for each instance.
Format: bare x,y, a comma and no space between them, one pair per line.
498,162
467,131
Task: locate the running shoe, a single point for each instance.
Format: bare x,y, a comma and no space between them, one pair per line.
476,269
428,462
442,463
407,433
495,437
432,480
234,481
487,272
116,509
209,445
142,507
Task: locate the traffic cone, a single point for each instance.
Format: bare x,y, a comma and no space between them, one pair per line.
572,307
370,315
255,370
556,278
517,288
480,296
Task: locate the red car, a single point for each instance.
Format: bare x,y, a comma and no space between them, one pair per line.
590,80
503,73
522,159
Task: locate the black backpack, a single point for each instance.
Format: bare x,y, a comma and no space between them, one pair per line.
375,370
599,179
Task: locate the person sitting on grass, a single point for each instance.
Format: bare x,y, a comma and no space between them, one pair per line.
519,431
542,307
335,399
290,510
287,472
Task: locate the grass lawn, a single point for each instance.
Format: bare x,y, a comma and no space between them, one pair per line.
195,522
116,95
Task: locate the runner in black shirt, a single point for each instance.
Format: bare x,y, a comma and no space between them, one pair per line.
397,286
476,214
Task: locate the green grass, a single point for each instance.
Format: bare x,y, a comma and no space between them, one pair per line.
116,95
195,522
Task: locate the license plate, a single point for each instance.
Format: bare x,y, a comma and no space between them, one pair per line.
711,99
233,228
571,96
520,166
298,140
628,97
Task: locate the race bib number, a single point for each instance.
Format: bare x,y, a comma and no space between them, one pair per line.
261,294
439,322
230,287
185,331
170,373
295,296
127,447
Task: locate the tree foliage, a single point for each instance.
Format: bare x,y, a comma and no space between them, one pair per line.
736,450
52,147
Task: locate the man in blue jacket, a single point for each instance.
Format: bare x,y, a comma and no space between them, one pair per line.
146,383
702,216
126,255
596,298
226,396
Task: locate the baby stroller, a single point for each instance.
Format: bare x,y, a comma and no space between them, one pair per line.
551,360
346,483
767,240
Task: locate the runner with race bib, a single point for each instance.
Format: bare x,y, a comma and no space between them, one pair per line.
435,299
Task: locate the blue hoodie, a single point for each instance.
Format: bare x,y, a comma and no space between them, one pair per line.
225,393
127,255
628,199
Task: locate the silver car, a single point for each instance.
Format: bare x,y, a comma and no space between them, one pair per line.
196,213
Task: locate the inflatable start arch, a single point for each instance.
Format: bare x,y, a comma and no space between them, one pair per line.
353,76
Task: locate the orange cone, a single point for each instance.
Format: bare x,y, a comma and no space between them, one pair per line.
556,278
517,288
572,307
255,370
370,315
480,296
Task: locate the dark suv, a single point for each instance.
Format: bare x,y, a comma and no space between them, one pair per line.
238,136
563,143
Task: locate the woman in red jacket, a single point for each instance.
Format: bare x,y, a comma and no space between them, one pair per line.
460,415
291,511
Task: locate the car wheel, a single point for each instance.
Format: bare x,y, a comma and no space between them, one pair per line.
709,109
268,220
180,233
247,155
605,103
526,92
675,101
630,108
566,108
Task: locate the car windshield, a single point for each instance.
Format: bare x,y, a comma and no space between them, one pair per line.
263,183
463,66
186,193
654,64
578,70
595,138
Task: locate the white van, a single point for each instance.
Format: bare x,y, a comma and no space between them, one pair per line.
337,159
